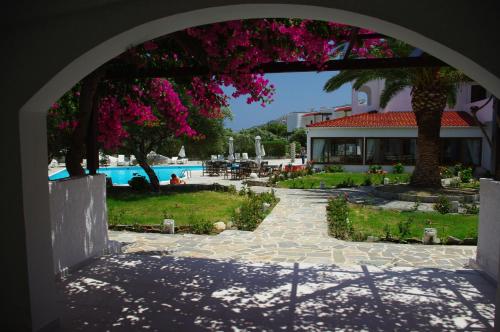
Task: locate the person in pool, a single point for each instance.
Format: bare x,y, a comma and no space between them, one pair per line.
175,180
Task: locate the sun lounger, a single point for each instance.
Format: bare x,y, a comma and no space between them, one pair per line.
121,160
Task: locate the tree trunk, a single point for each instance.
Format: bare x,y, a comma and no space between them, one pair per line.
153,179
428,104
76,151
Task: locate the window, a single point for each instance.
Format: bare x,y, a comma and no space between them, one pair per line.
364,96
390,151
319,152
337,150
466,151
477,93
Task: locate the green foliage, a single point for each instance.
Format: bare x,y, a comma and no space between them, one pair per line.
299,136
367,181
276,128
398,168
275,148
251,212
443,205
58,140
374,169
404,227
347,183
231,189
446,172
151,209
334,169
333,179
387,232
465,175
471,208
371,221
339,225
200,225
139,183
116,216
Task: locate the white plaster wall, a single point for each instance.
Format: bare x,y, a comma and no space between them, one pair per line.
401,102
388,132
293,121
488,246
79,221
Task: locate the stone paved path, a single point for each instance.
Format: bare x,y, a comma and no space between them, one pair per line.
296,231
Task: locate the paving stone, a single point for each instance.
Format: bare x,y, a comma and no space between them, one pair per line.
296,231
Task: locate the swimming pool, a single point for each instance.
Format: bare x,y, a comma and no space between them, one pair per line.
121,175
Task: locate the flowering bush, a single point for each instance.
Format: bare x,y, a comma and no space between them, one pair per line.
339,225
376,169
398,168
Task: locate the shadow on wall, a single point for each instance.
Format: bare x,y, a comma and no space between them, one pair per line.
79,220
149,291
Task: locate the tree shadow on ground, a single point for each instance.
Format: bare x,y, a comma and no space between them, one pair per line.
163,293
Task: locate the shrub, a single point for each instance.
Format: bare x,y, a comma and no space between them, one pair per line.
375,169
465,175
139,183
276,148
334,169
251,212
443,205
367,181
446,172
471,208
339,225
387,232
200,226
347,183
398,168
404,228
231,189
249,215
109,182
457,169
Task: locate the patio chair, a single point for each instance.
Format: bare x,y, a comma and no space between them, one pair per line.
237,156
173,160
264,169
182,161
244,156
121,160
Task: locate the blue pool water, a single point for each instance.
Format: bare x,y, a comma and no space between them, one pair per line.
121,175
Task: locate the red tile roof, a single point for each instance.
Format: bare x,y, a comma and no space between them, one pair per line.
394,119
343,109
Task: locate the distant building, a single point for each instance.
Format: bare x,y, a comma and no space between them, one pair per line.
297,120
372,135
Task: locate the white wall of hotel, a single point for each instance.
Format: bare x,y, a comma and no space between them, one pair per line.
401,102
488,247
329,132
78,216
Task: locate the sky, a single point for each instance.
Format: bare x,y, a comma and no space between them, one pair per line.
295,92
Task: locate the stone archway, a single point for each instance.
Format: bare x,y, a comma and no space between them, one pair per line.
52,48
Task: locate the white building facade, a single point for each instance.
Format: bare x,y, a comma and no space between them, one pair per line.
385,136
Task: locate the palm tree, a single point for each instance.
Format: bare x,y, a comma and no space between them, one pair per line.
431,90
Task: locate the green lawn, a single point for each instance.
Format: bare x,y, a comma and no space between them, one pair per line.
145,208
371,221
333,179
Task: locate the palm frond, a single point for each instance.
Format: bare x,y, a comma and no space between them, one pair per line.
392,87
343,77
